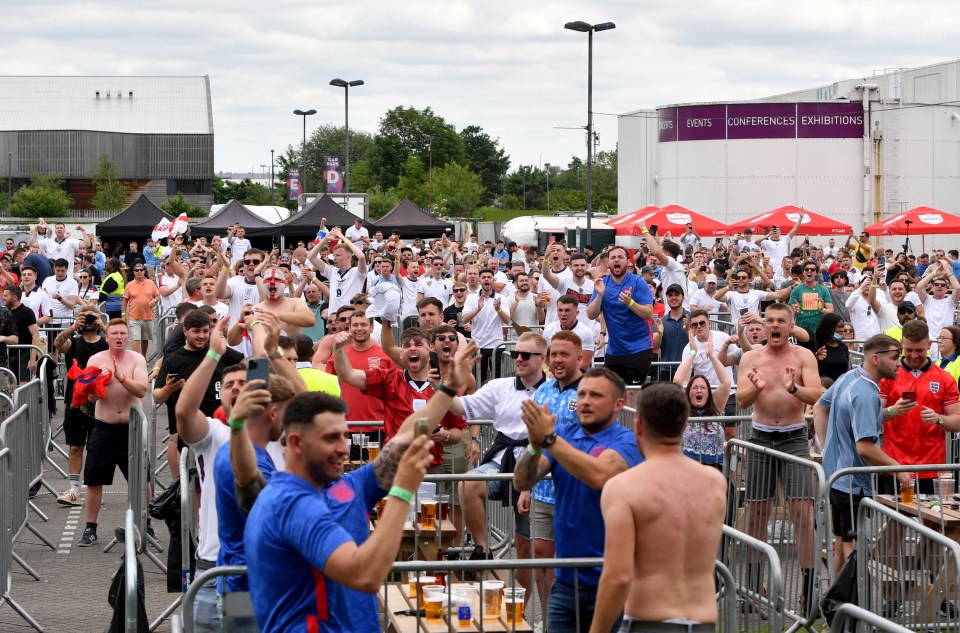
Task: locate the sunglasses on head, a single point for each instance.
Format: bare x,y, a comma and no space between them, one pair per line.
523,355
447,337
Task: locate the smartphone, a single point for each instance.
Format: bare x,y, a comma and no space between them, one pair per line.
421,427
743,311
173,377
653,229
881,260
703,269
434,361
258,368
909,395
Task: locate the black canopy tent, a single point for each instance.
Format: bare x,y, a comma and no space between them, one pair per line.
233,212
136,222
304,225
412,221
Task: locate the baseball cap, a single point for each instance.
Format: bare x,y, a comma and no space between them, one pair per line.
906,306
710,279
675,288
647,269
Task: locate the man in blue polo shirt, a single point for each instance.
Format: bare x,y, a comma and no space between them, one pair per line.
626,303
581,458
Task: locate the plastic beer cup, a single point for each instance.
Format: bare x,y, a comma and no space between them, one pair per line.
491,595
428,513
513,602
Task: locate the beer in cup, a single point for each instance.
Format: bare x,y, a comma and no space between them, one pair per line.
491,592
433,600
427,586
906,493
444,506
373,449
513,602
428,513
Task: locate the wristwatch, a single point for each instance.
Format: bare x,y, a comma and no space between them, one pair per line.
548,440
940,421
275,354
794,390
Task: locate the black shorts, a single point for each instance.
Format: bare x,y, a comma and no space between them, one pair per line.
19,364
106,451
633,368
763,471
843,513
78,424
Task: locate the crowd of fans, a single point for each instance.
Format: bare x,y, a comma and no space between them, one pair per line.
767,313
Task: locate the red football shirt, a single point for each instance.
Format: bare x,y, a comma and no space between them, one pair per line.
361,405
907,438
402,397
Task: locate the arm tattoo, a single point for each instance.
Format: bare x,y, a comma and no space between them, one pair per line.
246,495
527,471
385,466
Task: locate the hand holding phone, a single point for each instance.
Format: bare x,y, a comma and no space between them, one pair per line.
258,368
909,395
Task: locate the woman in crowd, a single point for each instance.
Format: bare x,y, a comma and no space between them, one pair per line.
833,358
949,343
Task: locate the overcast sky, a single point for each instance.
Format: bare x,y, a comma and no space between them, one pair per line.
507,66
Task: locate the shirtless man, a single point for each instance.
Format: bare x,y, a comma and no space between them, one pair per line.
293,314
657,564
779,380
107,446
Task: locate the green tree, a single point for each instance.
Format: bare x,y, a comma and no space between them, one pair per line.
381,201
487,159
457,190
413,182
111,191
43,197
178,205
328,140
406,132
362,178
3,194
245,191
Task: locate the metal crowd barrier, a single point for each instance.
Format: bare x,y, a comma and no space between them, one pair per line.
7,528
185,623
138,481
758,579
862,621
901,562
130,574
780,498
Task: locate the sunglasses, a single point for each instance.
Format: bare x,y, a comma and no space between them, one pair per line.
344,319
251,262
447,337
459,289
139,270
741,278
514,354
699,324
939,285
809,270
83,276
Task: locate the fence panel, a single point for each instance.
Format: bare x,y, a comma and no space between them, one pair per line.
780,499
758,578
852,618
7,527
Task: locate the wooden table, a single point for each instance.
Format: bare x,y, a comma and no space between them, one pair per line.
425,543
941,519
395,597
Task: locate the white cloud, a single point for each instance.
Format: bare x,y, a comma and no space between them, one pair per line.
509,67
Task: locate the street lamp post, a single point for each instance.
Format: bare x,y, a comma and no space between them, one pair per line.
546,167
303,148
346,85
584,27
273,198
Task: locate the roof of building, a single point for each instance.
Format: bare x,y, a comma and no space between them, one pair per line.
132,105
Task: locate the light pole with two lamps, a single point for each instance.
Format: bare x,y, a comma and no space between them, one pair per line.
584,27
346,85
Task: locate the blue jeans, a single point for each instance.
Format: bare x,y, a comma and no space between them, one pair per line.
206,617
235,624
562,608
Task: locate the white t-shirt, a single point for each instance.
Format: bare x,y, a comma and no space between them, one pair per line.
544,286
384,298
343,285
865,321
499,400
702,300
174,298
702,365
939,314
526,311
748,301
471,247
237,249
40,302
220,307
747,245
241,294
581,292
585,332
673,273
408,296
66,288
52,249
205,452
487,326
776,250
437,288
354,234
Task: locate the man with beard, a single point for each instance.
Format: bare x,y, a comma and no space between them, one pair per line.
486,314
362,353
23,362
78,342
405,391
554,275
840,292
739,294
293,314
582,458
339,322
848,419
526,310
779,380
408,290
62,290
108,444
938,308
208,295
345,279
567,321
626,304
179,366
435,285
577,285
243,289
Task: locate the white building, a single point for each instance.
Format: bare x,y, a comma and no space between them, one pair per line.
858,150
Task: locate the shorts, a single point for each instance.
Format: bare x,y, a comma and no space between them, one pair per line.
542,517
78,423
764,471
20,364
843,513
522,521
141,330
106,451
633,368
454,463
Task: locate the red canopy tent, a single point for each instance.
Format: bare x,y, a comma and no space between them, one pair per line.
917,221
675,218
629,218
786,219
